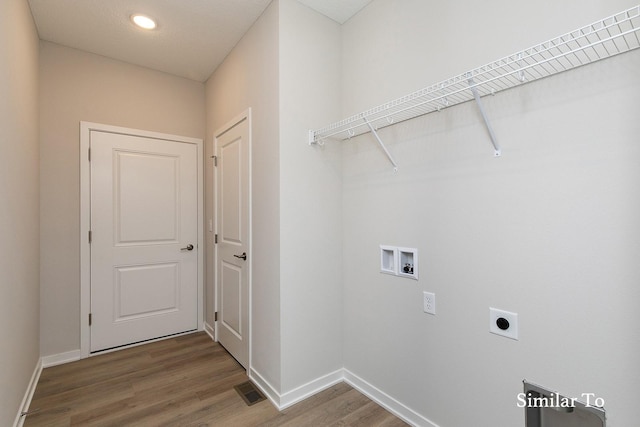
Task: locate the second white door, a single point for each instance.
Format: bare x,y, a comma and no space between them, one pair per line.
233,228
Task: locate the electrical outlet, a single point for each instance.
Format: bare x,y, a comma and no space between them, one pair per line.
429,302
503,323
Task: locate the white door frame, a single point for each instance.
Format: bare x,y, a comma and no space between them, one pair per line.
85,221
245,115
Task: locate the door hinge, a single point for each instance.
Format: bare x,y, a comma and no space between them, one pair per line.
90,319
215,239
215,160
89,155
215,316
90,236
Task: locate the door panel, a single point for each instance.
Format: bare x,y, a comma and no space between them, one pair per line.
230,299
232,149
134,284
231,184
133,205
144,213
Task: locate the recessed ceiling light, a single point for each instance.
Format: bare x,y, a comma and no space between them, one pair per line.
143,21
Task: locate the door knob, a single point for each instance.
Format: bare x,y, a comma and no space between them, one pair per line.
188,248
243,256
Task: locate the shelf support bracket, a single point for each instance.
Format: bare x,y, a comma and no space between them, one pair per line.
375,134
476,95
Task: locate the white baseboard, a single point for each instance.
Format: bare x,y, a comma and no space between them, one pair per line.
209,330
61,358
389,403
309,389
283,401
265,387
26,400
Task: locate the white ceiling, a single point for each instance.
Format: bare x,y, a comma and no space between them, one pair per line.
338,10
193,36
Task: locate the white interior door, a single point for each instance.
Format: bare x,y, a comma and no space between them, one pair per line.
144,227
233,229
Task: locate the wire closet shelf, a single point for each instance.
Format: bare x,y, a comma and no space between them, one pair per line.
603,39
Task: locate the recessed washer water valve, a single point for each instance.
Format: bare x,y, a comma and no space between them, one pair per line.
408,263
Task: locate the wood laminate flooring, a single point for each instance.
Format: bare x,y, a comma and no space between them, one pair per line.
181,381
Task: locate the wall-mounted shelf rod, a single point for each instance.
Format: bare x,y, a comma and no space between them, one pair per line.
605,38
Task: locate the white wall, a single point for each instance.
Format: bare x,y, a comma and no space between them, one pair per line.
248,78
77,86
297,309
19,239
310,197
549,230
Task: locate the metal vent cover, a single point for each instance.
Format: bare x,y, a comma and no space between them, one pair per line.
249,393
